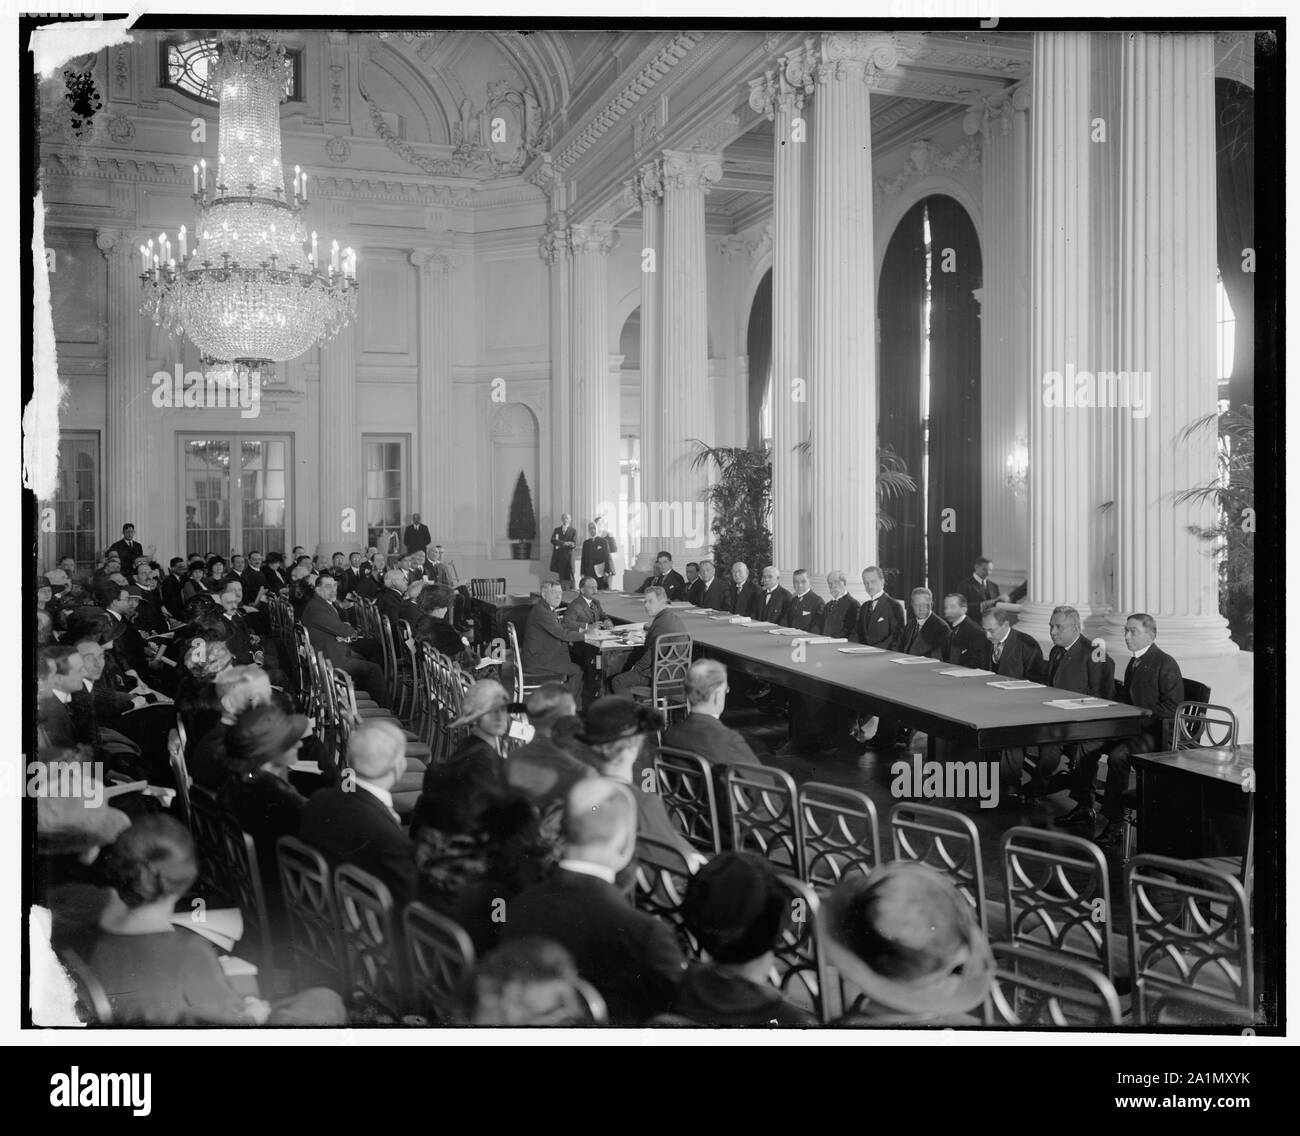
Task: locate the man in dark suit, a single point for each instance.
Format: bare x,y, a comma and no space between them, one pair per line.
340,641
774,600
389,601
805,608
742,598
545,647
926,634
632,958
1012,655
1074,664
128,550
61,675
840,615
149,616
880,619
437,570
967,646
709,590
666,577
564,539
273,573
981,593
416,537
544,770
702,731
585,610
660,620
169,588
356,824
1153,681
253,579
123,639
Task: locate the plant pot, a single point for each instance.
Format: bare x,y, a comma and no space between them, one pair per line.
521,550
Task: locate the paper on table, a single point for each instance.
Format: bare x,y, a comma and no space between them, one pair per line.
760,623
234,967
680,603
906,660
821,639
785,631
966,672
1078,703
699,611
722,618
1017,684
740,619
862,650
305,767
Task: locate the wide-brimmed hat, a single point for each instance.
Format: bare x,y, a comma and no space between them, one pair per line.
908,939
482,698
617,716
264,732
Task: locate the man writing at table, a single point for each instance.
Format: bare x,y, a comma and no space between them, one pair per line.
585,610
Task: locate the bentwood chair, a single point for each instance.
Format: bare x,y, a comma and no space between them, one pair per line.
1034,989
948,841
1201,725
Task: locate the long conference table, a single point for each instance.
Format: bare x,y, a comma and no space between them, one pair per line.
963,710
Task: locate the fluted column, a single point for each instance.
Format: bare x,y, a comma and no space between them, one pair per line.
131,460
434,500
842,341
649,189
342,503
595,449
1061,519
783,103
555,250
1005,389
686,395
1166,329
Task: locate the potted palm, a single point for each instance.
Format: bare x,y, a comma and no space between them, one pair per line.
521,529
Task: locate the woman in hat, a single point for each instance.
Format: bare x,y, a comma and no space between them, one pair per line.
908,940
456,790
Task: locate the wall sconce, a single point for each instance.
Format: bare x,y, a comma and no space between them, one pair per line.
1017,475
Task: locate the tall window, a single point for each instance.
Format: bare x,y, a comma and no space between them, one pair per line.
188,67
385,491
236,493
71,528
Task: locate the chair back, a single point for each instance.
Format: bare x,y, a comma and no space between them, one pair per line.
801,975
948,841
244,886
662,874
1202,725
686,786
668,675
486,588
308,889
762,805
517,660
180,772
841,833
92,1005
1035,990
441,957
1058,896
1190,944
594,1005
368,931
209,843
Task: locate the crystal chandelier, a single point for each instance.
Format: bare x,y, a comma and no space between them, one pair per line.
251,293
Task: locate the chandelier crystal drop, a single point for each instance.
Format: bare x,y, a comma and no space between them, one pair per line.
252,291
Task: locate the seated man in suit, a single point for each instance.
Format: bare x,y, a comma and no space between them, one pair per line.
389,601
437,569
1074,664
981,593
805,607
967,646
597,558
339,640
665,577
1013,655
880,620
840,615
545,646
253,579
773,600
275,577
692,574
585,610
355,823
544,770
169,588
702,731
1153,681
742,598
815,724
632,958
150,618
660,620
709,591
925,634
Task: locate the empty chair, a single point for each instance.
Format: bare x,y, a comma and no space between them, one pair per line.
662,874
1202,725
840,833
686,786
1033,989
764,815
487,588
1058,895
1190,944
307,885
947,841
441,957
368,929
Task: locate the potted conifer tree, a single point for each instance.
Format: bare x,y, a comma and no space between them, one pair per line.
522,527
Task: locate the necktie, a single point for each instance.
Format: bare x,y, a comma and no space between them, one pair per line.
1128,673
997,651
913,630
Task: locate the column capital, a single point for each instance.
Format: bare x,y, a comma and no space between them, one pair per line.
783,89
435,259
845,55
109,241
555,245
999,106
647,184
685,169
594,237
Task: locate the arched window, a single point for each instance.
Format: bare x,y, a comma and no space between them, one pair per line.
188,66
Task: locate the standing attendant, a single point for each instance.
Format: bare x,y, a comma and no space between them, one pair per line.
564,539
597,558
417,537
128,548
981,593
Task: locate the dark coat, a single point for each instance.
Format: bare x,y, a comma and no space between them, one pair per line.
545,646
712,595
1021,657
978,596
743,600
840,617
563,542
355,828
705,735
416,538
1076,670
597,553
880,624
967,645
667,622
672,582
1155,683
773,606
805,612
929,638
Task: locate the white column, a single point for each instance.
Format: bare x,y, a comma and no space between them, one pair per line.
649,189
842,342
131,461
1061,518
595,449
1166,328
686,396
783,102
342,503
434,499
555,251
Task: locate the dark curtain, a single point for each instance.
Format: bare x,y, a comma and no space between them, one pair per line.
1235,180
899,307
758,346
956,270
